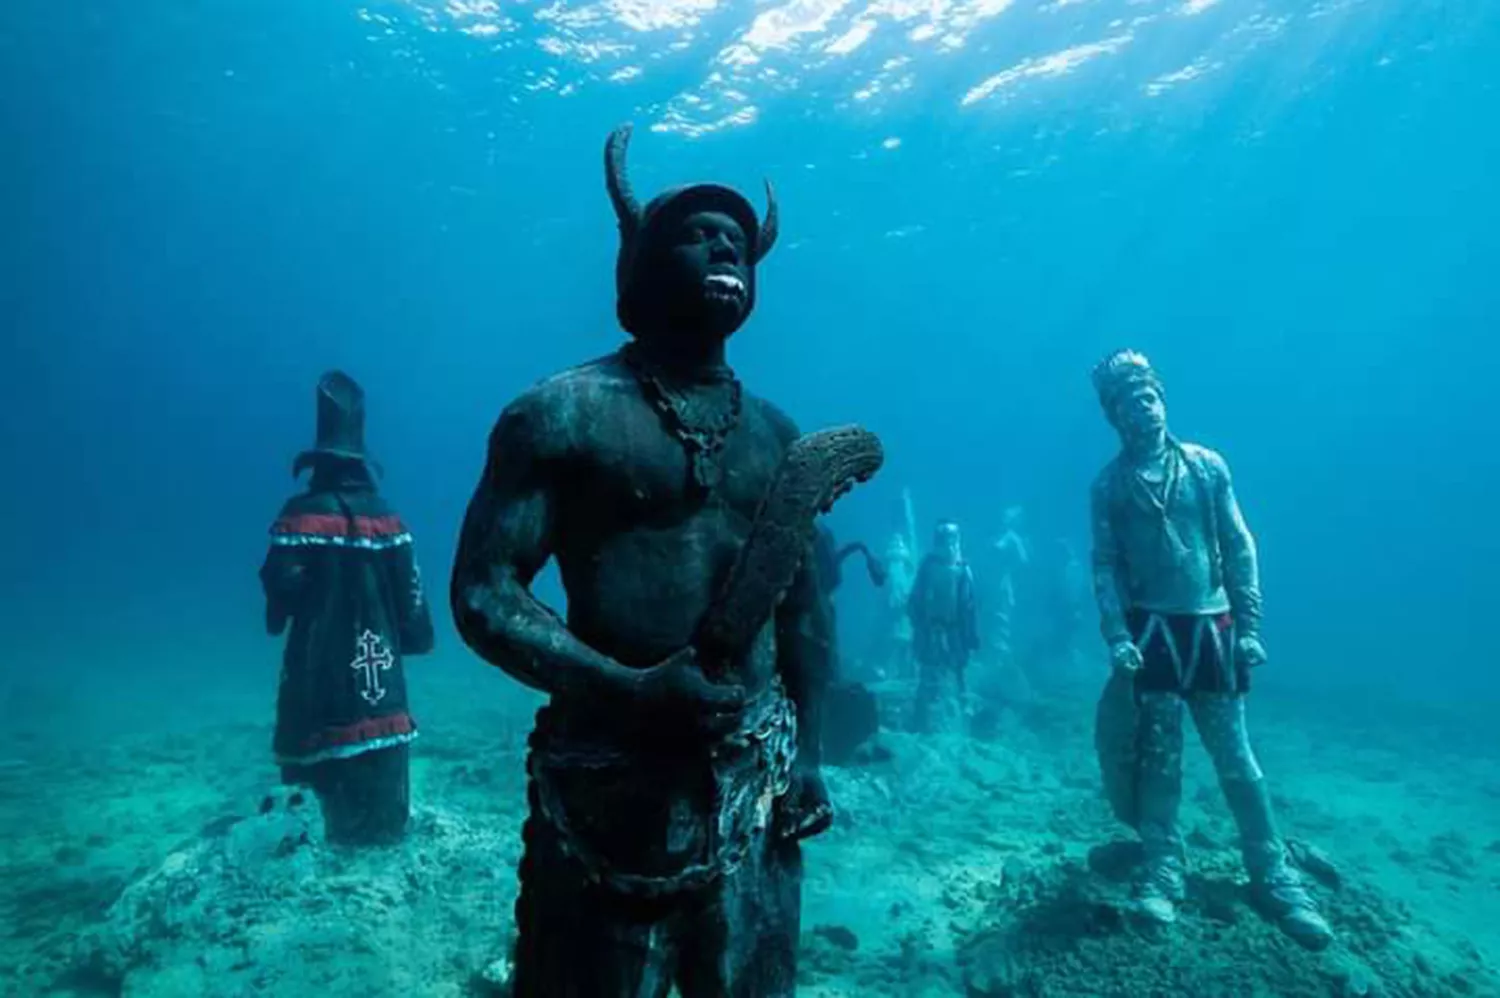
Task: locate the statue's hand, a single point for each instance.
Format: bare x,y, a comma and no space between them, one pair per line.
1125,656
1251,650
677,689
807,809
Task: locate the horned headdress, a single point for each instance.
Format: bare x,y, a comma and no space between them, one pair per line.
641,226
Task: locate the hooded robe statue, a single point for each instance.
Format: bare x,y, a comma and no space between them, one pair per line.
341,581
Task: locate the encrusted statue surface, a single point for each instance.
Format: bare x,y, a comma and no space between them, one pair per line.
675,768
945,631
1177,583
341,581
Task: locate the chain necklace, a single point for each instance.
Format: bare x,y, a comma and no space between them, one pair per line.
702,440
1158,497
1157,493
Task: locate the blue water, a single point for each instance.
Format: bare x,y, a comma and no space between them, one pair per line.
1289,206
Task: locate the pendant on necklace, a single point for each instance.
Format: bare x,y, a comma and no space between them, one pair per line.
705,471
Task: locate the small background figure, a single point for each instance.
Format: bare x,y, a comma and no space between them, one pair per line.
851,712
1004,680
945,631
1066,610
1012,555
891,650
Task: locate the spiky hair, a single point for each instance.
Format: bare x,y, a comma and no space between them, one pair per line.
1119,373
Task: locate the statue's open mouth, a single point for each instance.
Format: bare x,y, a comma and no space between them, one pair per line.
725,288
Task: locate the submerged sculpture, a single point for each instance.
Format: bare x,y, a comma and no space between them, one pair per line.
1178,588
676,767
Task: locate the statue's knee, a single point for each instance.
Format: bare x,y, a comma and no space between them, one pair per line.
1240,770
1233,758
1161,714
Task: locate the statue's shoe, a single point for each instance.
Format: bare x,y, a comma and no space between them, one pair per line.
1156,896
1296,914
1157,909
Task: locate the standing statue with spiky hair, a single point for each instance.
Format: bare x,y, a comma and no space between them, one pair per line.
1178,588
675,768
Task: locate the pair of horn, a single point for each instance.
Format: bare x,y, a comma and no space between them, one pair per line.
628,208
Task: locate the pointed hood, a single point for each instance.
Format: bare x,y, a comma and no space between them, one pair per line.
341,423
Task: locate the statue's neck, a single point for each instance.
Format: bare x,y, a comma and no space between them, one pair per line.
341,477
685,358
1145,449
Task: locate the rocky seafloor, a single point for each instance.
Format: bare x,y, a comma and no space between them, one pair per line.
154,865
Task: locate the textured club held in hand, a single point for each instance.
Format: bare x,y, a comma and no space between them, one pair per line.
1117,745
818,469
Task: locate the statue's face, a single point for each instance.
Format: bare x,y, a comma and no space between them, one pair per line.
896,550
1142,413
947,540
708,271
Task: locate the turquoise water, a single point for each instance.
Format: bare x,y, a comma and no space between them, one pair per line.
1289,206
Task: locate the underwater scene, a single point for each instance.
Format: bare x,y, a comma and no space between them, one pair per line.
750,499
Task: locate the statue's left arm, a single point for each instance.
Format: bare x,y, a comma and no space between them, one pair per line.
414,618
1238,550
969,607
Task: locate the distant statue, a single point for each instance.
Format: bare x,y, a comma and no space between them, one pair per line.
1013,554
832,557
851,714
1066,601
342,574
893,642
945,630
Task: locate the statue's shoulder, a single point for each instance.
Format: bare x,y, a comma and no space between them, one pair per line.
577,384
1205,459
547,429
310,503
567,402
773,417
1104,481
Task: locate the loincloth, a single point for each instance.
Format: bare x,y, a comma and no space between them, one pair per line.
1187,653
654,818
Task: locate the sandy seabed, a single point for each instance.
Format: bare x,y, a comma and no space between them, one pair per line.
139,863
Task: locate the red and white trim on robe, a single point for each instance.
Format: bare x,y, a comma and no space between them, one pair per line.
373,533
349,740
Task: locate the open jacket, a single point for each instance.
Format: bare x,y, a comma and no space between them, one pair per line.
1193,556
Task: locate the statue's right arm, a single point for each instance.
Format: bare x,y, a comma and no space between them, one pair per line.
1106,561
284,580
507,537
